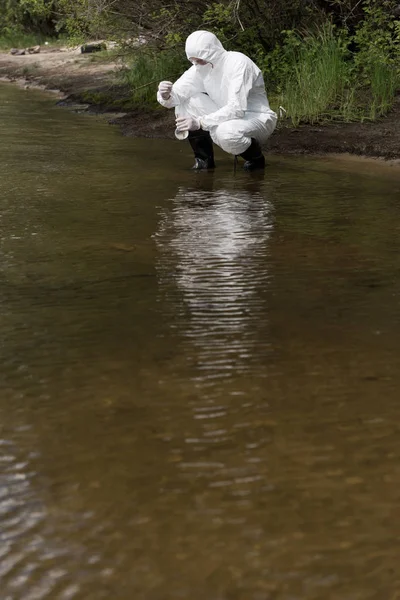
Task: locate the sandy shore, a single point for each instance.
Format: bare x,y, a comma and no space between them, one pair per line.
64,69
81,78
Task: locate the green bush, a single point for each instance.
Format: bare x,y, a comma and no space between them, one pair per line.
315,76
33,17
377,55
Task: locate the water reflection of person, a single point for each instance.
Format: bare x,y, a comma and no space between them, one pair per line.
213,252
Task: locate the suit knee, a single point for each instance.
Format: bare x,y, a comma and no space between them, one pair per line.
231,138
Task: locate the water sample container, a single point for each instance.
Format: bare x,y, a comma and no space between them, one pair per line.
181,135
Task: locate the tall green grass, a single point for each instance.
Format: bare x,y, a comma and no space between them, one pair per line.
146,70
21,40
317,78
384,81
323,82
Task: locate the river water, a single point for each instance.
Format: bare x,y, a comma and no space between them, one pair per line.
199,373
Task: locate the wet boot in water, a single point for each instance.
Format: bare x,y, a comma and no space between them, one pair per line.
253,156
203,149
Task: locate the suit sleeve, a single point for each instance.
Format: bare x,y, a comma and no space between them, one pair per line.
188,85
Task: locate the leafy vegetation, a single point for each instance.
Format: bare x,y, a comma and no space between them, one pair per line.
322,59
329,74
146,69
18,39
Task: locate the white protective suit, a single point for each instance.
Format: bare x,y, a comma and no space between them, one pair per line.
228,94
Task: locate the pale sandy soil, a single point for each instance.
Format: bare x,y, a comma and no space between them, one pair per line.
64,69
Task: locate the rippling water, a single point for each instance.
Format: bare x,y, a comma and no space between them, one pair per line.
199,373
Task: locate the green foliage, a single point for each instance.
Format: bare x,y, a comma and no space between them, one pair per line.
77,18
228,24
26,16
313,75
384,83
377,59
377,38
74,19
278,64
219,18
147,69
38,8
16,39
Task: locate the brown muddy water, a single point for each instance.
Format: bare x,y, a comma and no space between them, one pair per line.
199,373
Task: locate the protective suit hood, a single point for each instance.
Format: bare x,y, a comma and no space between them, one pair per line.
204,45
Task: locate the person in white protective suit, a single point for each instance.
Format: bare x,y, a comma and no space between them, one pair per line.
220,99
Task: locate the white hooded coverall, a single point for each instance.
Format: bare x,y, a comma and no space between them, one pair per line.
228,94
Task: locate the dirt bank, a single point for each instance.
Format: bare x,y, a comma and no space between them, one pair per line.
63,69
83,78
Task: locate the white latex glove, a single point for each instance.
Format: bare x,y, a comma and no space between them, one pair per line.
187,124
165,88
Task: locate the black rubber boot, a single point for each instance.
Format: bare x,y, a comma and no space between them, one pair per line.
253,156
203,149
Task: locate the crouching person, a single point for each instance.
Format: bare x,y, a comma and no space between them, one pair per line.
220,99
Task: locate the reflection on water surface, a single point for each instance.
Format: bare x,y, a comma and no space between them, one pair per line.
199,374
213,268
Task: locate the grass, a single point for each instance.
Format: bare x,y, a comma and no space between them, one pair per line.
318,78
146,70
385,81
324,85
22,40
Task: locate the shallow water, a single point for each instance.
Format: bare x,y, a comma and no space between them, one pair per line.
199,373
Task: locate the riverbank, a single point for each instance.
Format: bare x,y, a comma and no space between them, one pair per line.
86,80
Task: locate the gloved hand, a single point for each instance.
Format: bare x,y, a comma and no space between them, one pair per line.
187,124
165,88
